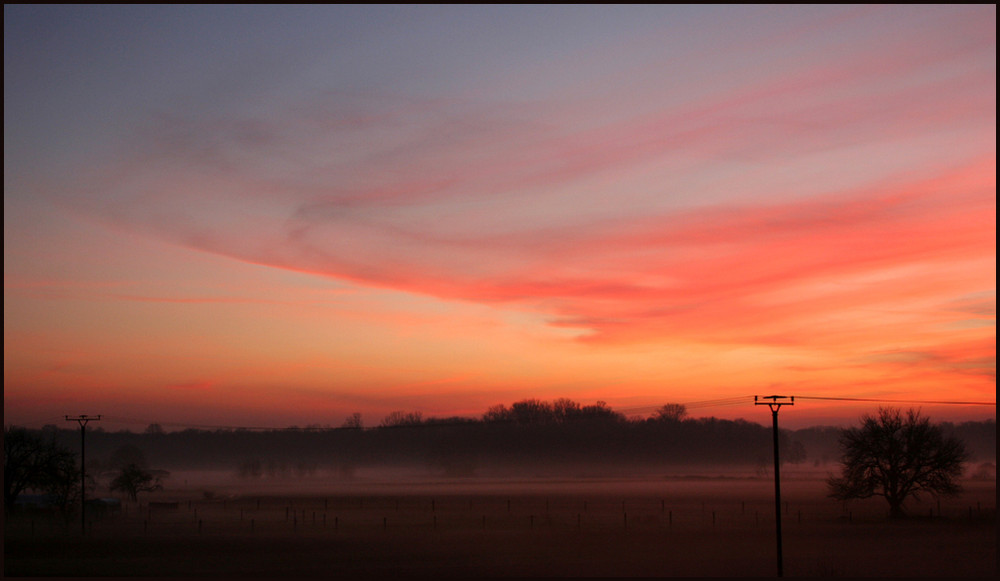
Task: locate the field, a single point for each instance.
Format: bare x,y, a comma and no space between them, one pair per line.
381,526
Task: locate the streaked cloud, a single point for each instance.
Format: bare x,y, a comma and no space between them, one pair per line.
704,196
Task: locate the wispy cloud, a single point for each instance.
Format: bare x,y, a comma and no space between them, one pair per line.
816,187
458,200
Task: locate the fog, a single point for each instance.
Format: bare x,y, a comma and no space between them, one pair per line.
710,521
602,447
593,497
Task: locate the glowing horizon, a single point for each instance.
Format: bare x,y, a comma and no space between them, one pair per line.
439,209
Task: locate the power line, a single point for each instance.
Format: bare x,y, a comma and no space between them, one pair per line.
899,400
740,400
727,401
690,405
120,419
44,421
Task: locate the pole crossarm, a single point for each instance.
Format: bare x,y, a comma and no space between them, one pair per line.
776,401
82,420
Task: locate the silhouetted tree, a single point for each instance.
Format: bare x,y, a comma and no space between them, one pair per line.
402,419
132,474
133,479
565,410
31,462
793,452
62,483
897,458
353,421
600,411
674,412
497,413
535,412
531,411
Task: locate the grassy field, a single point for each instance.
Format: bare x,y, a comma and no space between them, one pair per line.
686,527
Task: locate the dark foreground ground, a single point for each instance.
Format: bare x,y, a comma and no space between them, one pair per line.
668,528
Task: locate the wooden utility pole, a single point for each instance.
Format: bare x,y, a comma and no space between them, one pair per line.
82,420
775,405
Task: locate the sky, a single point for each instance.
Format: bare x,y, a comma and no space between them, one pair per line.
283,215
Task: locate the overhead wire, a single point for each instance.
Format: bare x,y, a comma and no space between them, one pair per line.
45,421
123,420
699,404
876,400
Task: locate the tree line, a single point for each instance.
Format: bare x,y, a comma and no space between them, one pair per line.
889,456
528,436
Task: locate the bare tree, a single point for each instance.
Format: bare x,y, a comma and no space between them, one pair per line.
531,411
133,479
399,418
565,409
62,483
132,473
33,463
897,458
498,413
600,411
673,412
353,421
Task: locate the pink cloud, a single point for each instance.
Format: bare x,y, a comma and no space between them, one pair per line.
696,272
662,270
465,200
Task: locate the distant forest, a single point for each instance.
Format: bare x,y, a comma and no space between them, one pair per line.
531,437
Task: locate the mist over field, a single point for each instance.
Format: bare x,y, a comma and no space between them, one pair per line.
602,444
595,495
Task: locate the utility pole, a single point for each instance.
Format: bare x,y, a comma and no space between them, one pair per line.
775,405
82,420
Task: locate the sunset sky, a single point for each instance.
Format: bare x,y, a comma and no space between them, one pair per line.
273,215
